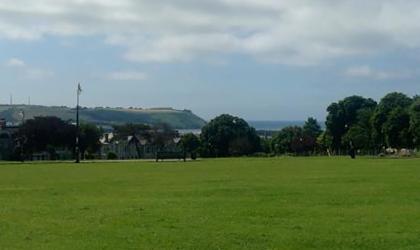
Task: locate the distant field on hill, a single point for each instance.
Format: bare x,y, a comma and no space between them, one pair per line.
246,203
180,119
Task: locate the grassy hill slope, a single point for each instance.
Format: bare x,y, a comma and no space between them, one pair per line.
180,119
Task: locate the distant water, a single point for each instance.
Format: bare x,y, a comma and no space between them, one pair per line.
274,125
259,125
189,131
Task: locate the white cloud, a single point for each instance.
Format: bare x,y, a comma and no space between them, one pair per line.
127,76
38,74
15,62
26,71
289,32
366,71
360,71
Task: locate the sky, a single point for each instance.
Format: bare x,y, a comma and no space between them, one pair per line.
257,59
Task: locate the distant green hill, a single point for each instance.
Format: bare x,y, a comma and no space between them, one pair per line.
179,119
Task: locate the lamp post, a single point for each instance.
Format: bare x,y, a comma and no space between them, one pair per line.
23,139
79,91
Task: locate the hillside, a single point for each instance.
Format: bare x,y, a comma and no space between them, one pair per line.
179,119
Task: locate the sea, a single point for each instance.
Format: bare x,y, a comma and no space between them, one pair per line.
259,126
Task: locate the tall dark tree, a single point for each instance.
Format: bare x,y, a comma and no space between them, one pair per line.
380,119
45,133
415,121
311,130
397,129
360,134
343,115
228,135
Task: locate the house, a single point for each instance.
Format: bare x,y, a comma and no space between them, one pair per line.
130,147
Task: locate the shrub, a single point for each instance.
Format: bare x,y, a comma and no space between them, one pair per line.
112,156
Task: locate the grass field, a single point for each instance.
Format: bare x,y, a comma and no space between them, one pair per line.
279,203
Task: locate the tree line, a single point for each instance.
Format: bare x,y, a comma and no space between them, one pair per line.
394,122
52,134
356,121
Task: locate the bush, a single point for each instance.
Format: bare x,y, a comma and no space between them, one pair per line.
90,157
262,155
112,156
193,156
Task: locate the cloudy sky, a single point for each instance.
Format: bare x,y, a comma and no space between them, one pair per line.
259,59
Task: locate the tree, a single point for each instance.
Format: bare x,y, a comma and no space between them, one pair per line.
131,129
312,128
380,118
89,139
397,129
228,135
360,134
162,134
336,124
288,140
343,115
325,141
44,133
415,121
190,143
312,131
266,146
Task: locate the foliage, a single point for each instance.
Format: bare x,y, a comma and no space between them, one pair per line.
293,140
89,139
325,142
190,143
266,146
397,129
415,121
312,128
49,134
130,129
360,134
163,134
112,156
382,125
42,133
343,115
227,135
158,135
282,142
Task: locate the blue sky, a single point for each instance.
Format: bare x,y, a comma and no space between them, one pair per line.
259,59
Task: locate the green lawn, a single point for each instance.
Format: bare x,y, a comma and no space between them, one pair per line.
279,203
